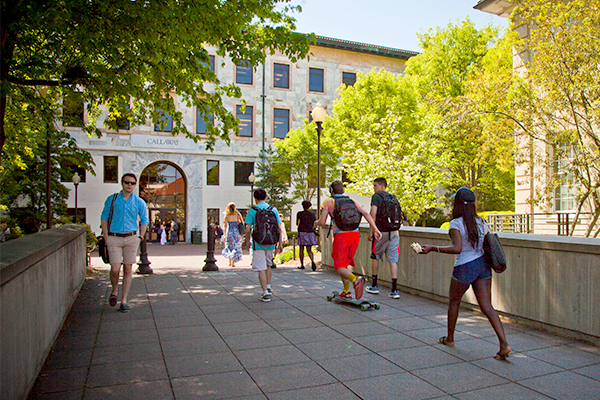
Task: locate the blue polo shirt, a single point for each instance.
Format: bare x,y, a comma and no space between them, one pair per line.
250,221
125,213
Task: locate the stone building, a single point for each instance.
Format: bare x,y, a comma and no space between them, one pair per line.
179,178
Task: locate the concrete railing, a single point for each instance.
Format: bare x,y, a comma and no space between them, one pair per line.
551,283
40,276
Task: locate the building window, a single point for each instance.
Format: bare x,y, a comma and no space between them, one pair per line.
315,80
246,120
281,123
201,124
212,172
242,172
281,76
243,73
348,78
122,121
164,123
211,63
213,216
73,110
68,169
565,193
111,169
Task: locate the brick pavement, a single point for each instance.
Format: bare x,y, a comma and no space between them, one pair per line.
198,335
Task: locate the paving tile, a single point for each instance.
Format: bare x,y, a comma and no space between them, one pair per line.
66,358
210,309
130,352
419,357
295,323
60,380
388,341
332,349
69,395
565,357
564,385
270,356
126,372
187,332
269,314
471,349
181,320
431,335
471,377
127,325
410,324
176,311
215,386
524,342
238,328
386,313
517,367
592,371
509,391
585,347
293,376
331,391
240,316
343,316
196,346
402,385
318,334
106,339
363,329
428,309
255,341
135,391
357,367
201,364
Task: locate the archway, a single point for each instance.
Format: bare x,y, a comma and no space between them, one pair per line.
164,188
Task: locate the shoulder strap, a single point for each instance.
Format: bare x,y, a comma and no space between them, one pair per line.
112,204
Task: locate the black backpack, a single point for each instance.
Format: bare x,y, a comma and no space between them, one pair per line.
389,214
265,229
346,214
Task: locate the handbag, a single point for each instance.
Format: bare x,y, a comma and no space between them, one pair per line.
493,252
242,228
102,247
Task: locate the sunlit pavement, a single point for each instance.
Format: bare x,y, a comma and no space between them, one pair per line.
205,335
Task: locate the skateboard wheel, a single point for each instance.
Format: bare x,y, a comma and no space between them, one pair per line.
377,306
364,307
329,298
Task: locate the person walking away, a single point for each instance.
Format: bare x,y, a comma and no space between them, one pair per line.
174,232
346,213
233,239
124,210
467,231
163,234
387,213
263,221
218,234
305,220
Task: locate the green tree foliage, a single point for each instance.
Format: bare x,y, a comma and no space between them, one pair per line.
561,104
130,55
379,130
23,176
461,76
275,181
296,157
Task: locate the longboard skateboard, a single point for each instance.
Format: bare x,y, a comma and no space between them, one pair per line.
362,303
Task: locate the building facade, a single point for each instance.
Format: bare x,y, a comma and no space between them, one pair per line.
179,178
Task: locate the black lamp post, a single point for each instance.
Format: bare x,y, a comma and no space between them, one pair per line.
251,179
76,179
319,114
210,261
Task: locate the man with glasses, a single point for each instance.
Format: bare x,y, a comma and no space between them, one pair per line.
121,236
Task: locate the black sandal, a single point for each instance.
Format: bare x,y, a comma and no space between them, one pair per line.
301,267
112,300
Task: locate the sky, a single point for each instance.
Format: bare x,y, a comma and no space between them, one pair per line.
390,23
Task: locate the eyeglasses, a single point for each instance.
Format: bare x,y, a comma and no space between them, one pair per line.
129,183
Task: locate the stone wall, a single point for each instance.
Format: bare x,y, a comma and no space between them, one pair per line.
551,283
40,276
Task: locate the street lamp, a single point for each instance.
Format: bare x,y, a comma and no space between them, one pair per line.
76,179
318,115
251,179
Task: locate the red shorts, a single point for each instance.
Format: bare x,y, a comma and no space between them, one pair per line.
344,248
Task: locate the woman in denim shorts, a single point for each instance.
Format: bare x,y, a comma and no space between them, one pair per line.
470,268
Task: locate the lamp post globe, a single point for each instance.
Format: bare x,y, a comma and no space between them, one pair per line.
76,179
318,115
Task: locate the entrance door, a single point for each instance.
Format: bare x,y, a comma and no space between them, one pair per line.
164,188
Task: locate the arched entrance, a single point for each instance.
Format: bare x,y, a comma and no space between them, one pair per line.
164,188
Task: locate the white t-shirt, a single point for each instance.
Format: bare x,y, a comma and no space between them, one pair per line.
469,253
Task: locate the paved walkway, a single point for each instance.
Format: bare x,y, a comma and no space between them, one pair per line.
198,335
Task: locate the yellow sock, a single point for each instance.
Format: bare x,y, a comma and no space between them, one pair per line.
346,286
352,278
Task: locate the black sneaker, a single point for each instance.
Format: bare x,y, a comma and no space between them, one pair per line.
265,298
124,308
314,267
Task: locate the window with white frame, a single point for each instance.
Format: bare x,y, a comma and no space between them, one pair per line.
565,192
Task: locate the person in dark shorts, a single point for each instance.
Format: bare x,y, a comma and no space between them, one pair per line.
306,233
470,268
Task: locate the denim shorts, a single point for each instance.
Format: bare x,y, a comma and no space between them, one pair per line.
468,273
